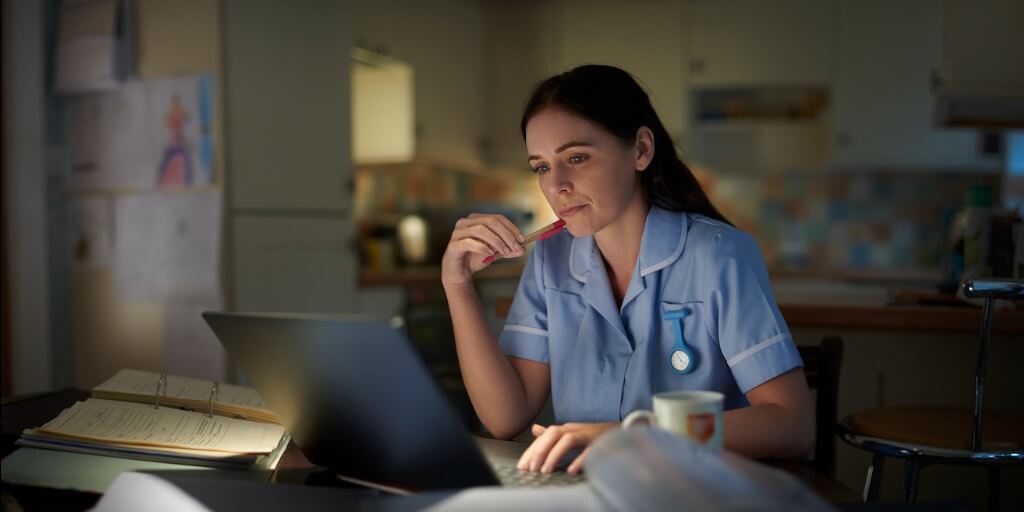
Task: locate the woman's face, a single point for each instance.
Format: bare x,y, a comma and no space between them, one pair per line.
587,174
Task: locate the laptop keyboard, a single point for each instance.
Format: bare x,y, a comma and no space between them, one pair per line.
509,476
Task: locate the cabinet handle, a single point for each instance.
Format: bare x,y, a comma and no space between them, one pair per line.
697,65
935,80
842,139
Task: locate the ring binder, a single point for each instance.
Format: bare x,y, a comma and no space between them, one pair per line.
161,387
214,391
185,393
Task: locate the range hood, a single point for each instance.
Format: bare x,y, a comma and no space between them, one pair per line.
979,107
981,81
383,116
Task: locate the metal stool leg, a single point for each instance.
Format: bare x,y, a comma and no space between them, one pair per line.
874,477
911,470
979,375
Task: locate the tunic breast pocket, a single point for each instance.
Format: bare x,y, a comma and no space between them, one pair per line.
682,334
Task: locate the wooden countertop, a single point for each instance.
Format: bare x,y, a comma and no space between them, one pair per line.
866,311
908,318
431,275
513,269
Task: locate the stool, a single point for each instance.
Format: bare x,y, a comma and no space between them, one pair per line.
943,435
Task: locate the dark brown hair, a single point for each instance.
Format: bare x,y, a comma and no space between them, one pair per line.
611,98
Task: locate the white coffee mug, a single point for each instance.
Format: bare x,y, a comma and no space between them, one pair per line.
693,414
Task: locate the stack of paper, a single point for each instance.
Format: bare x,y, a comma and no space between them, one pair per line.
120,429
167,418
139,386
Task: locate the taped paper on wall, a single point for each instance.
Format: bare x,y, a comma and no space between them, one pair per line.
168,246
92,232
146,134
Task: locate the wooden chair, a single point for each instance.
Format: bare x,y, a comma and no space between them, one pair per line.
821,367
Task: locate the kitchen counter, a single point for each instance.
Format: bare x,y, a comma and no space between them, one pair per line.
431,275
830,303
842,304
911,318
858,302
916,318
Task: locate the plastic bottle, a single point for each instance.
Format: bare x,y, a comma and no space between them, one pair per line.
977,225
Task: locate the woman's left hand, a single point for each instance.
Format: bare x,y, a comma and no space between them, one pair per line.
552,443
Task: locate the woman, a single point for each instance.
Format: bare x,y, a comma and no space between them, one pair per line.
590,323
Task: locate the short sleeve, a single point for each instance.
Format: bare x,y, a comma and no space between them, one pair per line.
526,328
750,330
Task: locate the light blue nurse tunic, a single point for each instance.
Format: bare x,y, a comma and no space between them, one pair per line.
606,361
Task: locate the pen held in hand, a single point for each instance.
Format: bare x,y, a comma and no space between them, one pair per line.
545,232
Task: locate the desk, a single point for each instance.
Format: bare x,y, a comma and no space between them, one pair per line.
26,412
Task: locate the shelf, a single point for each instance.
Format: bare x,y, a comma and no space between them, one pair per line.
736,125
431,276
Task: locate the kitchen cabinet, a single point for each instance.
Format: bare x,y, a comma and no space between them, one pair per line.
517,49
294,264
382,109
982,41
527,42
289,224
887,52
978,84
441,40
756,43
286,91
644,38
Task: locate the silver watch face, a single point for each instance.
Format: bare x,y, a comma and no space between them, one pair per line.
680,360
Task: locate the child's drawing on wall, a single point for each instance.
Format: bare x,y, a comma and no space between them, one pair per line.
176,164
204,108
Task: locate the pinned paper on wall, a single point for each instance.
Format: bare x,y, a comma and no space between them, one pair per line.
107,134
184,109
168,246
146,134
93,47
92,232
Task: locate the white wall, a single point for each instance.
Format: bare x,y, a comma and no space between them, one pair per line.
24,202
108,331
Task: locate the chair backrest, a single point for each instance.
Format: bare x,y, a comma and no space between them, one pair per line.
821,366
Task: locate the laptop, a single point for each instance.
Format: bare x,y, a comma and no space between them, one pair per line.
356,398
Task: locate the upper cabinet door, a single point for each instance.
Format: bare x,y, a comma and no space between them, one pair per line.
883,99
644,38
753,42
286,96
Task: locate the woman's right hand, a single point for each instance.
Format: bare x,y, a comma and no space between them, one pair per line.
475,238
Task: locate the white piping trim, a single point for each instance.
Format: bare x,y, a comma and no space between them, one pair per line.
712,222
572,262
675,254
757,348
527,330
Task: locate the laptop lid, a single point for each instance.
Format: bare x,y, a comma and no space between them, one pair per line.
355,397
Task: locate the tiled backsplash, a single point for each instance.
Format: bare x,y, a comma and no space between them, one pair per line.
882,220
392,189
848,220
